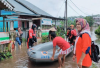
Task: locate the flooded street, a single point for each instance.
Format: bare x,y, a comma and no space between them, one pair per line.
20,58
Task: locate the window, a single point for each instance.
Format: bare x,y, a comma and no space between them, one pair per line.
23,25
27,25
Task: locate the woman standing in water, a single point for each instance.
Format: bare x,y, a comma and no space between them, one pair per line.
20,33
17,35
83,44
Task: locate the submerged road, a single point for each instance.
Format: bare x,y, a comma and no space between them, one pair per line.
20,59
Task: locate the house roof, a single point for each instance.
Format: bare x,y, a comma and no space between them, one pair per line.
19,7
26,7
4,4
23,7
32,7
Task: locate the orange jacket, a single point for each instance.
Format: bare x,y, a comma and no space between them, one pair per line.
30,36
81,46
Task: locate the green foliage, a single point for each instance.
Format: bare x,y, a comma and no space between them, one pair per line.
44,39
71,22
11,57
60,32
5,55
89,20
62,23
2,58
97,31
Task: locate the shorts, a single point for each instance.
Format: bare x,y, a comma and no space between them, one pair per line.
65,51
18,40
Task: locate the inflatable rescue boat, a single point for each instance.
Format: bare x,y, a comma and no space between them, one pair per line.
43,52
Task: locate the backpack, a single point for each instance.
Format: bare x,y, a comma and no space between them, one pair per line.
94,51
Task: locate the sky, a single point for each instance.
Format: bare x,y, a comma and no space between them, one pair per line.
56,8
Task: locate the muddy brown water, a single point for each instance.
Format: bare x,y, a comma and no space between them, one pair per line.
20,58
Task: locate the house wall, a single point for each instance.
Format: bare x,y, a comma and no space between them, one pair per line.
24,24
1,23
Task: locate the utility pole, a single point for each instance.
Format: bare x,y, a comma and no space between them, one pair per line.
65,19
66,13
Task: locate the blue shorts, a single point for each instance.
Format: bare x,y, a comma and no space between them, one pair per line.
17,39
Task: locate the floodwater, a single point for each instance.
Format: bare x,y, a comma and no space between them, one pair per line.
20,58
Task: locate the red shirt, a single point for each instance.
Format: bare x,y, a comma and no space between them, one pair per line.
73,32
59,41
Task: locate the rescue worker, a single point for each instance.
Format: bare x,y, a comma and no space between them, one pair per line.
71,35
34,34
83,44
30,38
72,27
63,44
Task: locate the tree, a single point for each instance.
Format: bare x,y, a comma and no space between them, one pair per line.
62,23
97,31
89,20
70,22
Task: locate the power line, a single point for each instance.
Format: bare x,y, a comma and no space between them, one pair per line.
89,9
60,8
73,9
79,9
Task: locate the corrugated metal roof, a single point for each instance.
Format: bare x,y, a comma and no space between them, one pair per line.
33,7
19,7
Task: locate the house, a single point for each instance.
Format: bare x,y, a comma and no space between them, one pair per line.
25,10
4,36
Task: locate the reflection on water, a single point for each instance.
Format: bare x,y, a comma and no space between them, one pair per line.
20,58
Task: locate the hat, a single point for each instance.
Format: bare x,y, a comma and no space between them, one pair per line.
72,25
52,29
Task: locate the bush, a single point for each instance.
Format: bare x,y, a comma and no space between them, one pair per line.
5,55
97,31
45,39
60,32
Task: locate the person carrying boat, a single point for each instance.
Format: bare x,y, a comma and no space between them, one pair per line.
71,35
31,38
63,44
